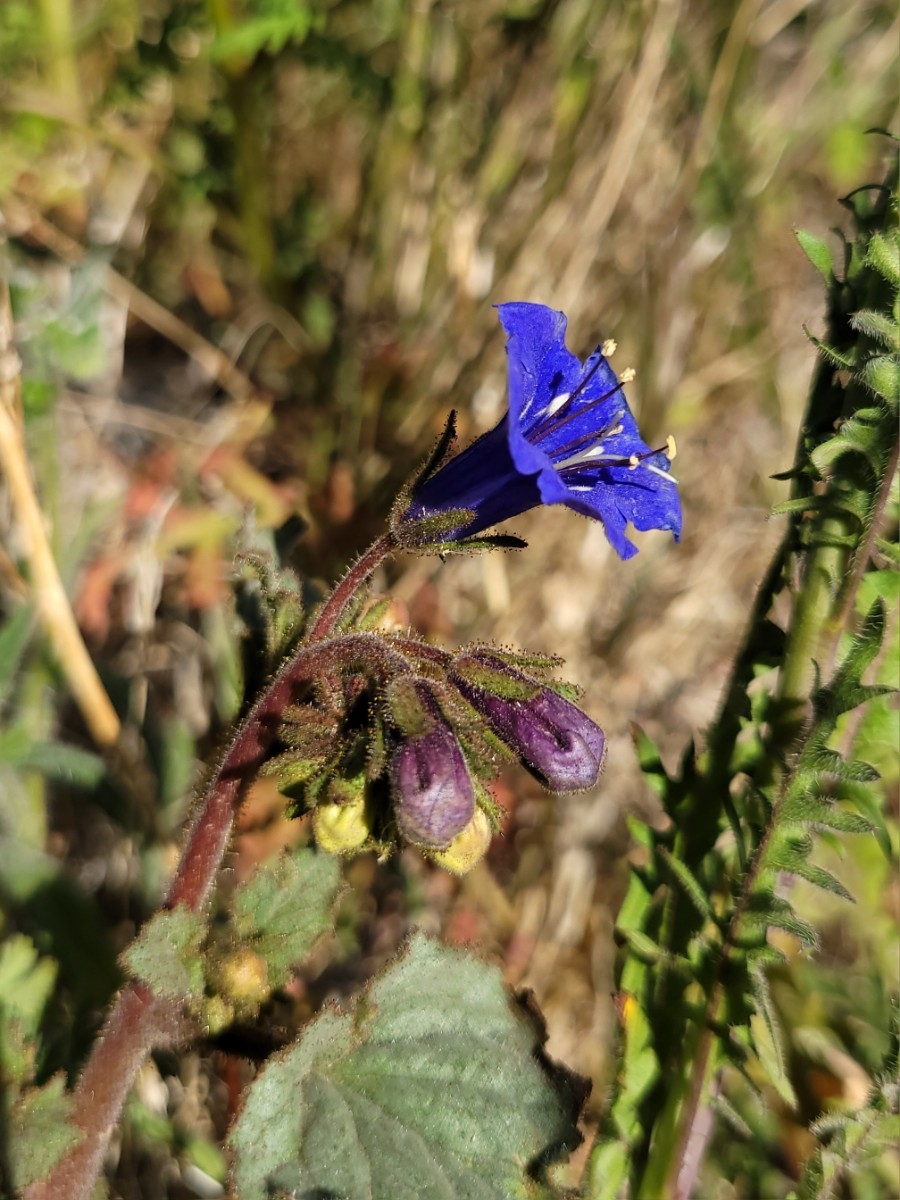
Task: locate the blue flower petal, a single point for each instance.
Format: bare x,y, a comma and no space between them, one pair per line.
569,438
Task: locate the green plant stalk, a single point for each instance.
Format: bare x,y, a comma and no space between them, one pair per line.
57,27
813,632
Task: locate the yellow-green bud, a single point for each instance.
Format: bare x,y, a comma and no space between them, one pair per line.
340,828
468,847
245,976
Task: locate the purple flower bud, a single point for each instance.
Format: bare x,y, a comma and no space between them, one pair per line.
433,794
553,737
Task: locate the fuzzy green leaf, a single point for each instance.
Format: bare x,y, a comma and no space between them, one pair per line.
166,955
878,326
286,907
434,1086
817,252
821,878
766,910
881,374
40,1131
884,255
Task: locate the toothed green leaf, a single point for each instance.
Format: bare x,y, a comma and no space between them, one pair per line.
166,954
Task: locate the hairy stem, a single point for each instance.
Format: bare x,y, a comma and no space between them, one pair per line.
140,1021
333,609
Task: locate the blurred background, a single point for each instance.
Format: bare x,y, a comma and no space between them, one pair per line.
252,248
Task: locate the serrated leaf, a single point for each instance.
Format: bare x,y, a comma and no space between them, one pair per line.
13,642
26,981
166,955
40,1131
285,907
433,1087
817,252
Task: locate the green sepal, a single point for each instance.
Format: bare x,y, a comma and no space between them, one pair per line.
294,768
475,670
432,533
409,711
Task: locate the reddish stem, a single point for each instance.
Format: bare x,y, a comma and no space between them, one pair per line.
139,1021
343,593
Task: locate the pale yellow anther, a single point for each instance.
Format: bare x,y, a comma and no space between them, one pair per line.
634,461
608,348
671,448
627,375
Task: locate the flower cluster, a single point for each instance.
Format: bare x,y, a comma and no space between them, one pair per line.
568,438
398,745
410,758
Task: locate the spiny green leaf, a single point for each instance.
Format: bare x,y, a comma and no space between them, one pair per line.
821,878
834,356
863,648
878,326
769,911
166,955
649,952
884,255
433,1086
286,907
687,881
881,374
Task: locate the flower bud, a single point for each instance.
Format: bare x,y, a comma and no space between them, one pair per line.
552,737
340,828
433,793
468,847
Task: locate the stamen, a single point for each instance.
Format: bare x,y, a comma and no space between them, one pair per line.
609,348
628,375
556,404
594,437
659,471
671,448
